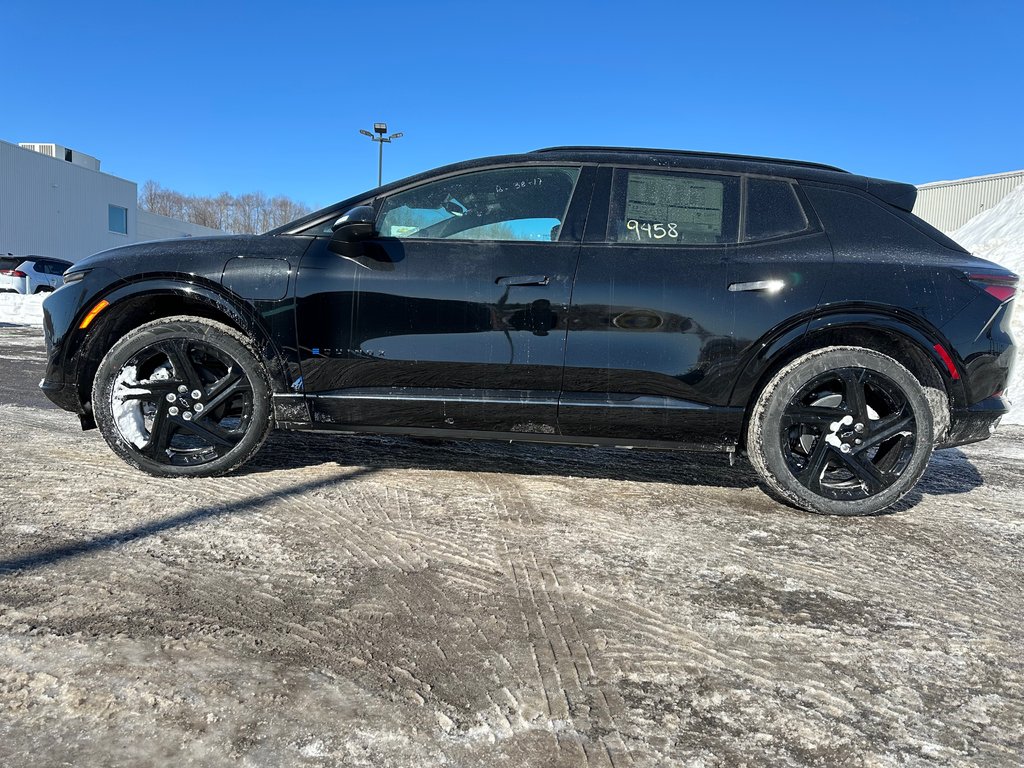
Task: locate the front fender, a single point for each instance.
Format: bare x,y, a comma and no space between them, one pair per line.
193,290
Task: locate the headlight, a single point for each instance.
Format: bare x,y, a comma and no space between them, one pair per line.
74,277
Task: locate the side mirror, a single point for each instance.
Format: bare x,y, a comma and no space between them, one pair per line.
354,225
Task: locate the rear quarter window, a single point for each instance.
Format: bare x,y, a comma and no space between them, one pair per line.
773,210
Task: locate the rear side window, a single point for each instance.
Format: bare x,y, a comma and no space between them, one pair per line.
773,210
673,208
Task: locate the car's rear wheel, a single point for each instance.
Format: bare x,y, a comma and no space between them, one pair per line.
841,431
182,396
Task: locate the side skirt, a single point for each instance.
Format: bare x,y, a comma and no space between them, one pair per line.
516,437
299,412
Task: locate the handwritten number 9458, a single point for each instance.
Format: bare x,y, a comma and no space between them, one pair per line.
654,231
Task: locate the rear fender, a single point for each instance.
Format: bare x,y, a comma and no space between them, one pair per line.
844,326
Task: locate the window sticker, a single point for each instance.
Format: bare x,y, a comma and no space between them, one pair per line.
659,207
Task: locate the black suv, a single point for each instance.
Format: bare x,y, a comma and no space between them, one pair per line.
583,295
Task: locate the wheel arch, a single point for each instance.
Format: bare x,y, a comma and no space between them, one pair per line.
910,341
137,303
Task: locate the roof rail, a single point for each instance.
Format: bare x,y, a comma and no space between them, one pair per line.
692,153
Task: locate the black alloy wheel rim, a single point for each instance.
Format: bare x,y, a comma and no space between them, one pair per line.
848,434
182,402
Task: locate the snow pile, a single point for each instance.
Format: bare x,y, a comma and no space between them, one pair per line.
998,235
21,310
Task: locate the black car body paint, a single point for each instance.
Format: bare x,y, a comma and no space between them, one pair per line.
588,337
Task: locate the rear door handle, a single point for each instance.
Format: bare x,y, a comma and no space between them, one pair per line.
772,286
523,280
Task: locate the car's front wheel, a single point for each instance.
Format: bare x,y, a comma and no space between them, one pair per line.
841,431
182,396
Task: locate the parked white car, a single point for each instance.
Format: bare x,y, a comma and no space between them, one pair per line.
34,274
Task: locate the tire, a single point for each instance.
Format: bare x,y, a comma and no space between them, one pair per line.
144,402
841,431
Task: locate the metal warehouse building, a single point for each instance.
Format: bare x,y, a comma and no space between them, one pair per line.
948,205
55,201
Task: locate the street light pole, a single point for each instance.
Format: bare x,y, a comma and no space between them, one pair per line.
380,129
380,163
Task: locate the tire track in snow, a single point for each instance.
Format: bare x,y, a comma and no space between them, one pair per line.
573,690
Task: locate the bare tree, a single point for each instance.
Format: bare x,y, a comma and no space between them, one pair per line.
203,210
284,209
242,214
149,196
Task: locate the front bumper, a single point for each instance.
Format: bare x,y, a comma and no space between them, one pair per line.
62,312
60,394
64,396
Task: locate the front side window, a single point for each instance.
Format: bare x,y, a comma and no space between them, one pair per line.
117,219
773,210
673,208
527,203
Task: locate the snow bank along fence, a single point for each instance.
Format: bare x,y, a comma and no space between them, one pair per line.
948,205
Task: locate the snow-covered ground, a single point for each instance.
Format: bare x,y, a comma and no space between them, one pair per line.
16,309
998,235
371,601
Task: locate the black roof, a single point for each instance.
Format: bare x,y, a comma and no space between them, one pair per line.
893,192
685,153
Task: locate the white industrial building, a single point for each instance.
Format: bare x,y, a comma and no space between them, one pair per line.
55,201
948,205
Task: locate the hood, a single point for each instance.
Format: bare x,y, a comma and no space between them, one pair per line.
189,255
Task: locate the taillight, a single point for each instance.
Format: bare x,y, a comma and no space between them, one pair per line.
12,273
954,374
1002,287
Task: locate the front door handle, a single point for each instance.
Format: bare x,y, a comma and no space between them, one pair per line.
523,280
772,286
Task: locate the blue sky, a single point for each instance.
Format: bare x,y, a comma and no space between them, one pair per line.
230,96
